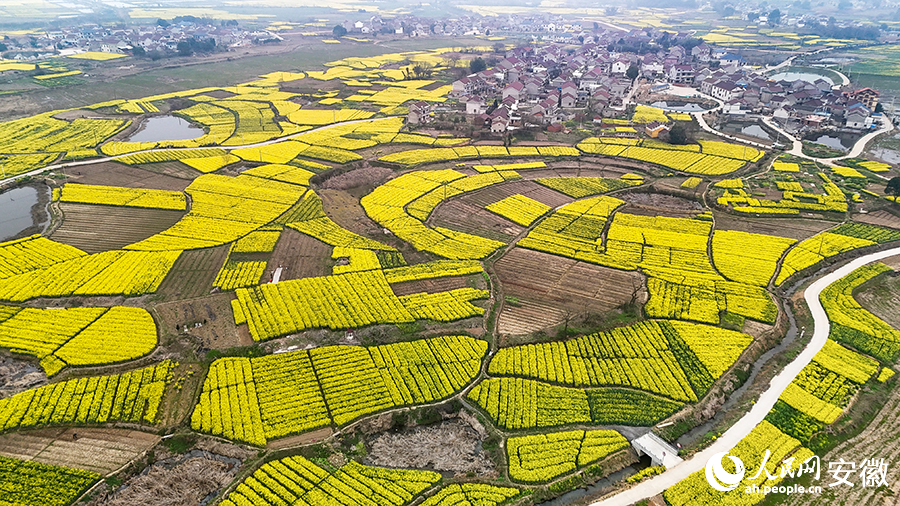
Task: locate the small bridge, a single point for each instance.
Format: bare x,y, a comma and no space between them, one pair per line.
660,452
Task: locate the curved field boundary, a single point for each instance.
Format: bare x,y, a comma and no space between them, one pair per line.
766,401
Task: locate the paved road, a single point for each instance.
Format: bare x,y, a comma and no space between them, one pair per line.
57,166
761,408
858,147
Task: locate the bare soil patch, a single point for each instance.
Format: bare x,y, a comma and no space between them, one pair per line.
94,228
117,174
193,273
881,218
301,439
548,287
449,446
882,298
345,210
19,375
100,450
430,285
365,177
300,256
212,313
530,189
463,216
794,228
661,201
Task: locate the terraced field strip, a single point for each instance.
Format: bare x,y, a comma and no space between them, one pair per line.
766,401
100,450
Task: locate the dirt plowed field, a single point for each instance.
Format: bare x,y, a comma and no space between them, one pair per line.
300,256
548,286
882,218
117,174
793,228
99,450
100,228
194,273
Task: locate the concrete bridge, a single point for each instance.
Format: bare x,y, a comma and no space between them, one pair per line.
660,452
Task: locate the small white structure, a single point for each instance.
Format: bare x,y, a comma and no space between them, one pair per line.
660,452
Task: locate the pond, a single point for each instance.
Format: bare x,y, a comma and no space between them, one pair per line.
166,128
842,142
749,129
16,210
679,106
802,76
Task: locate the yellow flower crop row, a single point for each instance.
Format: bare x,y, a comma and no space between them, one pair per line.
358,260
843,238
519,209
326,117
26,483
126,197
728,150
717,157
223,210
342,301
240,274
280,152
854,325
77,336
169,155
259,399
542,457
696,490
510,166
129,397
296,480
647,114
388,203
658,357
691,182
128,273
32,253
472,494
516,403
261,241
207,164
431,270
444,306
792,201
739,257
854,366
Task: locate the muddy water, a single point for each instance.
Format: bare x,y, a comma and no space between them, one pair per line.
166,128
22,209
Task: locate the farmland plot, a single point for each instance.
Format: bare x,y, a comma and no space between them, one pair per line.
121,226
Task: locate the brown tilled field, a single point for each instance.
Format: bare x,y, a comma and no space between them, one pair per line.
345,210
882,296
300,256
472,219
548,286
117,174
99,450
193,273
430,285
882,218
530,189
95,228
213,312
794,228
